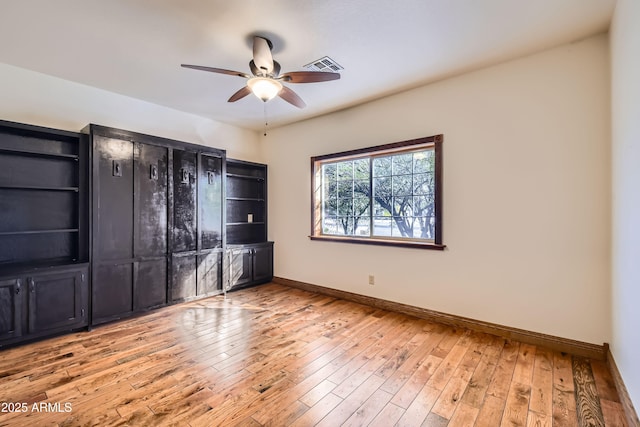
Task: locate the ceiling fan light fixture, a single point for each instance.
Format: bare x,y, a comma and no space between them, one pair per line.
264,88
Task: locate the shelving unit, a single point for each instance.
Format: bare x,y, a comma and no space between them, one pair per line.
246,202
40,201
44,233
250,255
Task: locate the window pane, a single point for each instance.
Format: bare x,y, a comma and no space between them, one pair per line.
345,226
402,185
329,170
345,188
362,227
382,166
361,169
423,205
329,225
361,188
423,183
423,161
345,206
402,164
382,226
361,206
345,170
382,187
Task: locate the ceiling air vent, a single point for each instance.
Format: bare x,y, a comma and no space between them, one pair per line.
324,64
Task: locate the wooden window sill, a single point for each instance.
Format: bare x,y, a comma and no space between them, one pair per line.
380,242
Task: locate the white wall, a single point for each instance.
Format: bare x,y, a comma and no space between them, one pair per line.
625,96
526,195
35,98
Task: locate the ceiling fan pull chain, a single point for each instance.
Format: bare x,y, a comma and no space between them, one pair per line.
265,118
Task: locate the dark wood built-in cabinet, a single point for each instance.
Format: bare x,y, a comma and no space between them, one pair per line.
44,233
130,193
157,222
104,224
250,255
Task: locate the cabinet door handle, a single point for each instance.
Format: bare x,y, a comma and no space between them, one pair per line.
18,287
32,285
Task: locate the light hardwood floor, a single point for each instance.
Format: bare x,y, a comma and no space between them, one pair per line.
277,356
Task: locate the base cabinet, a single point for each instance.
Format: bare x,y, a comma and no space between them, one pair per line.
250,264
37,304
10,309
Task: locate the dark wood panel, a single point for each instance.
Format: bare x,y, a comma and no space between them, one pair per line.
10,309
17,136
241,266
28,210
112,295
113,198
184,201
38,248
151,200
37,171
246,169
183,277
238,210
245,188
263,263
150,284
210,202
246,233
209,273
56,301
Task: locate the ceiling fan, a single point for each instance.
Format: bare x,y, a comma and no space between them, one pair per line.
266,82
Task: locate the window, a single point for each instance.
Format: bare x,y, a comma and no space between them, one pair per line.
389,194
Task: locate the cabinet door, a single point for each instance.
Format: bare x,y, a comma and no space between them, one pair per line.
241,266
262,263
150,285
209,273
57,300
150,193
183,280
210,201
113,198
10,308
184,201
112,295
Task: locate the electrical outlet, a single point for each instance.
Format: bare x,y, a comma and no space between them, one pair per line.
372,280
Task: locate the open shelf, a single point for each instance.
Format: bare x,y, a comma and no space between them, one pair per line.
237,175
62,230
35,153
37,187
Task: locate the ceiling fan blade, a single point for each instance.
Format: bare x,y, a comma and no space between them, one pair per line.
262,55
291,97
309,76
216,70
240,94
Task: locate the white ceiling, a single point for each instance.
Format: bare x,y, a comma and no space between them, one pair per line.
135,47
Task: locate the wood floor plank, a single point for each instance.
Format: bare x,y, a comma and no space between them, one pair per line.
278,356
388,416
320,410
491,412
542,383
587,400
